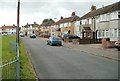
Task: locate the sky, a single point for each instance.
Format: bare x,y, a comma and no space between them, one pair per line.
37,10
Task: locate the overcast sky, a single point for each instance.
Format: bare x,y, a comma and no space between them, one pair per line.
37,10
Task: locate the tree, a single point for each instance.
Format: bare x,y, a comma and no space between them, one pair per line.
45,20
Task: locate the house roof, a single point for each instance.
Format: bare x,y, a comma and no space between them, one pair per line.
69,19
7,27
100,11
33,25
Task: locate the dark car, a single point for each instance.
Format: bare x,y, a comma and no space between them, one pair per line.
54,41
33,36
70,36
117,45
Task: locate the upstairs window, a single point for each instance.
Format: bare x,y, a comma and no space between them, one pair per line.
107,33
119,15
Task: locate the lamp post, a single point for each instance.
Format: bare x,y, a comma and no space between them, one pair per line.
18,44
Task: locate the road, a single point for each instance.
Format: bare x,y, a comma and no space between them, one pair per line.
59,62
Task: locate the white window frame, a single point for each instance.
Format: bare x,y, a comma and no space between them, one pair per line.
115,32
107,33
118,32
118,14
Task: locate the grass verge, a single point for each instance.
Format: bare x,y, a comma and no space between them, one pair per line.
8,72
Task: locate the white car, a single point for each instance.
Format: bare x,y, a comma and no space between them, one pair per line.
33,36
21,34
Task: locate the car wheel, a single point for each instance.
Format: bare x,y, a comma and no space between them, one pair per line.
118,49
60,44
50,44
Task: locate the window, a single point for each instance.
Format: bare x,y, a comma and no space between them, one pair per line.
119,33
108,17
61,25
90,21
87,21
99,33
103,33
67,24
115,32
107,33
103,17
84,34
111,32
89,35
119,14
97,19
80,23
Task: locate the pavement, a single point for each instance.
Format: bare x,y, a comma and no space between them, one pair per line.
94,49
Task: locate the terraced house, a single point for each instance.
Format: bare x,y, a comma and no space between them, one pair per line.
45,27
30,28
100,23
9,30
66,25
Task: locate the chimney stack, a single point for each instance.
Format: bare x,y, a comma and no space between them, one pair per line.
93,8
34,22
61,17
73,14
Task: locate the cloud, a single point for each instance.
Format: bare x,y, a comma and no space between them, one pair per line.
38,10
9,19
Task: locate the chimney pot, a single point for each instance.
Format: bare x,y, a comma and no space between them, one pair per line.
61,17
73,14
93,8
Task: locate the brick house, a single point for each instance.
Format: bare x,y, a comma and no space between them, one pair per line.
45,27
66,25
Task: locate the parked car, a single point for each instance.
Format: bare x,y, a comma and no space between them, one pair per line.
4,34
117,45
33,36
54,41
70,36
21,35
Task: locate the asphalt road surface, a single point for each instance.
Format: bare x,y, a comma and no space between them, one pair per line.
59,62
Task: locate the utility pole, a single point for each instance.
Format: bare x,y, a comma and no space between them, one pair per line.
18,44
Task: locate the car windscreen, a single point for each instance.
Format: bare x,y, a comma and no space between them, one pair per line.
56,38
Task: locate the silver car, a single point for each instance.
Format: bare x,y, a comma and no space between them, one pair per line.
54,41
